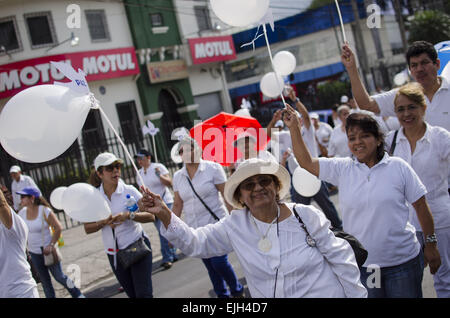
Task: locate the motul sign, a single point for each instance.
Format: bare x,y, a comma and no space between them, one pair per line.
97,65
212,49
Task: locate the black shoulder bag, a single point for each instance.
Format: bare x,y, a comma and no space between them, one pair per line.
207,207
394,143
359,250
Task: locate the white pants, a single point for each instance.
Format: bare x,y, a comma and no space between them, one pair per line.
442,277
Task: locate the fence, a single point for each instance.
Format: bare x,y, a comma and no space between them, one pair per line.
75,164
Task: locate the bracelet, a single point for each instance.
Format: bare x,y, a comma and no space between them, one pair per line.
431,238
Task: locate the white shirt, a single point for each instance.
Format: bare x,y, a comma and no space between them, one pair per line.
338,146
24,182
431,161
207,176
373,207
328,270
323,134
35,227
129,231
153,182
16,280
438,110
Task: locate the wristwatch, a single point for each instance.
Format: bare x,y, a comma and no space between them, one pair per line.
132,215
431,238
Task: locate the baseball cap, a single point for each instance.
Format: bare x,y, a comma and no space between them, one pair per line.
15,169
105,159
143,153
314,115
30,191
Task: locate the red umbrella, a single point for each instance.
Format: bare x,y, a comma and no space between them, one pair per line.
217,134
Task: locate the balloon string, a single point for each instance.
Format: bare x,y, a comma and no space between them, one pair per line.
340,19
154,148
123,146
271,60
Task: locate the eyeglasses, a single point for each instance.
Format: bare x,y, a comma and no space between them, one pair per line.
111,167
263,181
402,109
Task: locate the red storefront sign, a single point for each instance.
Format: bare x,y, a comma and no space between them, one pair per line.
212,49
97,65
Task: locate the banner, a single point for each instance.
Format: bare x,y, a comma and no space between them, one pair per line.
97,65
212,49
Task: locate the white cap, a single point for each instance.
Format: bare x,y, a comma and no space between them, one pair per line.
15,169
105,159
279,123
314,115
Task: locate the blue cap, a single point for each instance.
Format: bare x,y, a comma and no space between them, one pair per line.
30,191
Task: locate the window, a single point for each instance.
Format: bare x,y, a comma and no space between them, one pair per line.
9,35
98,28
92,132
203,19
129,122
41,29
156,19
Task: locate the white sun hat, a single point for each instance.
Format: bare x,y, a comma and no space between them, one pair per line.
253,167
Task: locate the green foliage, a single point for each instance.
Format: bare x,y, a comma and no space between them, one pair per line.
431,26
330,93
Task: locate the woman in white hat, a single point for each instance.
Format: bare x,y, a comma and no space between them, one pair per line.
123,227
197,188
278,257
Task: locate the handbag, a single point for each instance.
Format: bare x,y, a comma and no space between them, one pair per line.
55,256
204,204
359,250
133,253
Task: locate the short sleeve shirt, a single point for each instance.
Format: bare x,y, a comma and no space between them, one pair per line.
24,182
431,161
207,176
438,110
129,231
153,182
338,146
373,205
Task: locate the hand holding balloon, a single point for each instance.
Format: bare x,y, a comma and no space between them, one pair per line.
348,58
154,204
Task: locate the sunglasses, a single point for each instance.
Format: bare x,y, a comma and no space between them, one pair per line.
263,181
113,166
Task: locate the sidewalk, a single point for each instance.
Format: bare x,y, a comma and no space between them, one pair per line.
87,252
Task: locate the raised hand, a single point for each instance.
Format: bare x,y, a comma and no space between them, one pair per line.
290,116
348,57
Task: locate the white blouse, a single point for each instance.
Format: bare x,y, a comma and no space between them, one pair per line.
207,176
373,205
338,145
327,270
431,161
153,182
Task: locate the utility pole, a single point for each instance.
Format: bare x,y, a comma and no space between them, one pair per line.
401,24
360,45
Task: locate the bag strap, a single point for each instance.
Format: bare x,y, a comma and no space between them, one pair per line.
209,210
394,143
300,220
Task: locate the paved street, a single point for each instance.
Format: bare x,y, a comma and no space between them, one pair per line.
188,277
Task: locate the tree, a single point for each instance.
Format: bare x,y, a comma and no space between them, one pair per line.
432,26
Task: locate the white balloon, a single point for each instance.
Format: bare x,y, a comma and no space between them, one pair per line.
305,183
84,203
272,85
240,12
56,197
40,123
284,63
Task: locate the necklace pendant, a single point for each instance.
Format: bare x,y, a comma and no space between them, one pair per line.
264,245
310,241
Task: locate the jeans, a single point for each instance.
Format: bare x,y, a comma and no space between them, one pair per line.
57,273
168,253
323,200
136,280
220,271
401,281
